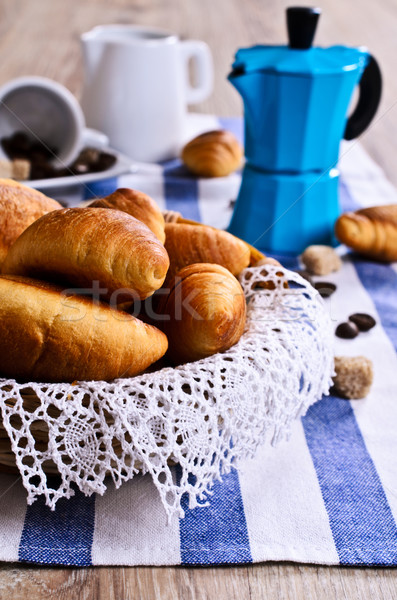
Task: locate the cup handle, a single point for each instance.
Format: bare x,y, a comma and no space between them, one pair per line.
200,53
95,138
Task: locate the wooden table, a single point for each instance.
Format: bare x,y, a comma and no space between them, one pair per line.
42,38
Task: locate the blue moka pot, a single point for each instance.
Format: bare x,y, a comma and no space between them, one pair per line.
296,101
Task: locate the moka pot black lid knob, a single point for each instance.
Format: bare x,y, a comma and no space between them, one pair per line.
301,25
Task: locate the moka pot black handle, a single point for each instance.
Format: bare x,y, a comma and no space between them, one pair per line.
370,91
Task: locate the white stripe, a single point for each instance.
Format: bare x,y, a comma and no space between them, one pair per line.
285,513
131,527
377,414
12,515
367,182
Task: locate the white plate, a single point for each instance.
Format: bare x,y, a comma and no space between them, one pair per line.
123,165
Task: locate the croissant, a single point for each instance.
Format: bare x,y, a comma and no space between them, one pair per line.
256,257
20,205
85,245
138,205
187,244
206,312
48,336
213,154
370,231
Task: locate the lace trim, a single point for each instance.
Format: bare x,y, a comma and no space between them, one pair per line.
204,416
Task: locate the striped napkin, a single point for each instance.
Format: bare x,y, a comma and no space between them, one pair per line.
326,496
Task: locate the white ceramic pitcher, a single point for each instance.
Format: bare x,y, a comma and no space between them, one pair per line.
137,88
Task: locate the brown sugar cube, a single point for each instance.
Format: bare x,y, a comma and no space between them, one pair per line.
20,169
354,375
321,260
5,169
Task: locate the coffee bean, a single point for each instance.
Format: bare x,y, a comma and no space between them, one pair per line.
17,145
104,162
325,288
89,155
42,151
363,321
80,168
42,171
347,330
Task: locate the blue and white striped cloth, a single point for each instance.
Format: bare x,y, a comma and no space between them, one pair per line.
327,496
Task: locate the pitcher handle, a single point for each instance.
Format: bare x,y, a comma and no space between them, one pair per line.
370,92
200,53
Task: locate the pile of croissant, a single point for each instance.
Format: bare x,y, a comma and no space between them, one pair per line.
106,290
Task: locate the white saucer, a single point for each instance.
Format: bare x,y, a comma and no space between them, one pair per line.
123,165
196,123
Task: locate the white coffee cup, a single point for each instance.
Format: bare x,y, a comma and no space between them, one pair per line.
137,88
47,112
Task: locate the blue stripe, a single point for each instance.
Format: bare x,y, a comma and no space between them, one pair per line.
288,261
361,521
100,189
181,190
216,533
60,537
380,281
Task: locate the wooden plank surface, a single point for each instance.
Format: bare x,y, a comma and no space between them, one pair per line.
41,37
259,582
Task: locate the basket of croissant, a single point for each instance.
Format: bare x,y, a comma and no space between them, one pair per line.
122,328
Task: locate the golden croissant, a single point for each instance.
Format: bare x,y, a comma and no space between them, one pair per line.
188,244
255,256
138,205
370,231
46,335
80,246
205,310
20,205
213,154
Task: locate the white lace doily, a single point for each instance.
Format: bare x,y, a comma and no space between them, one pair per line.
203,416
